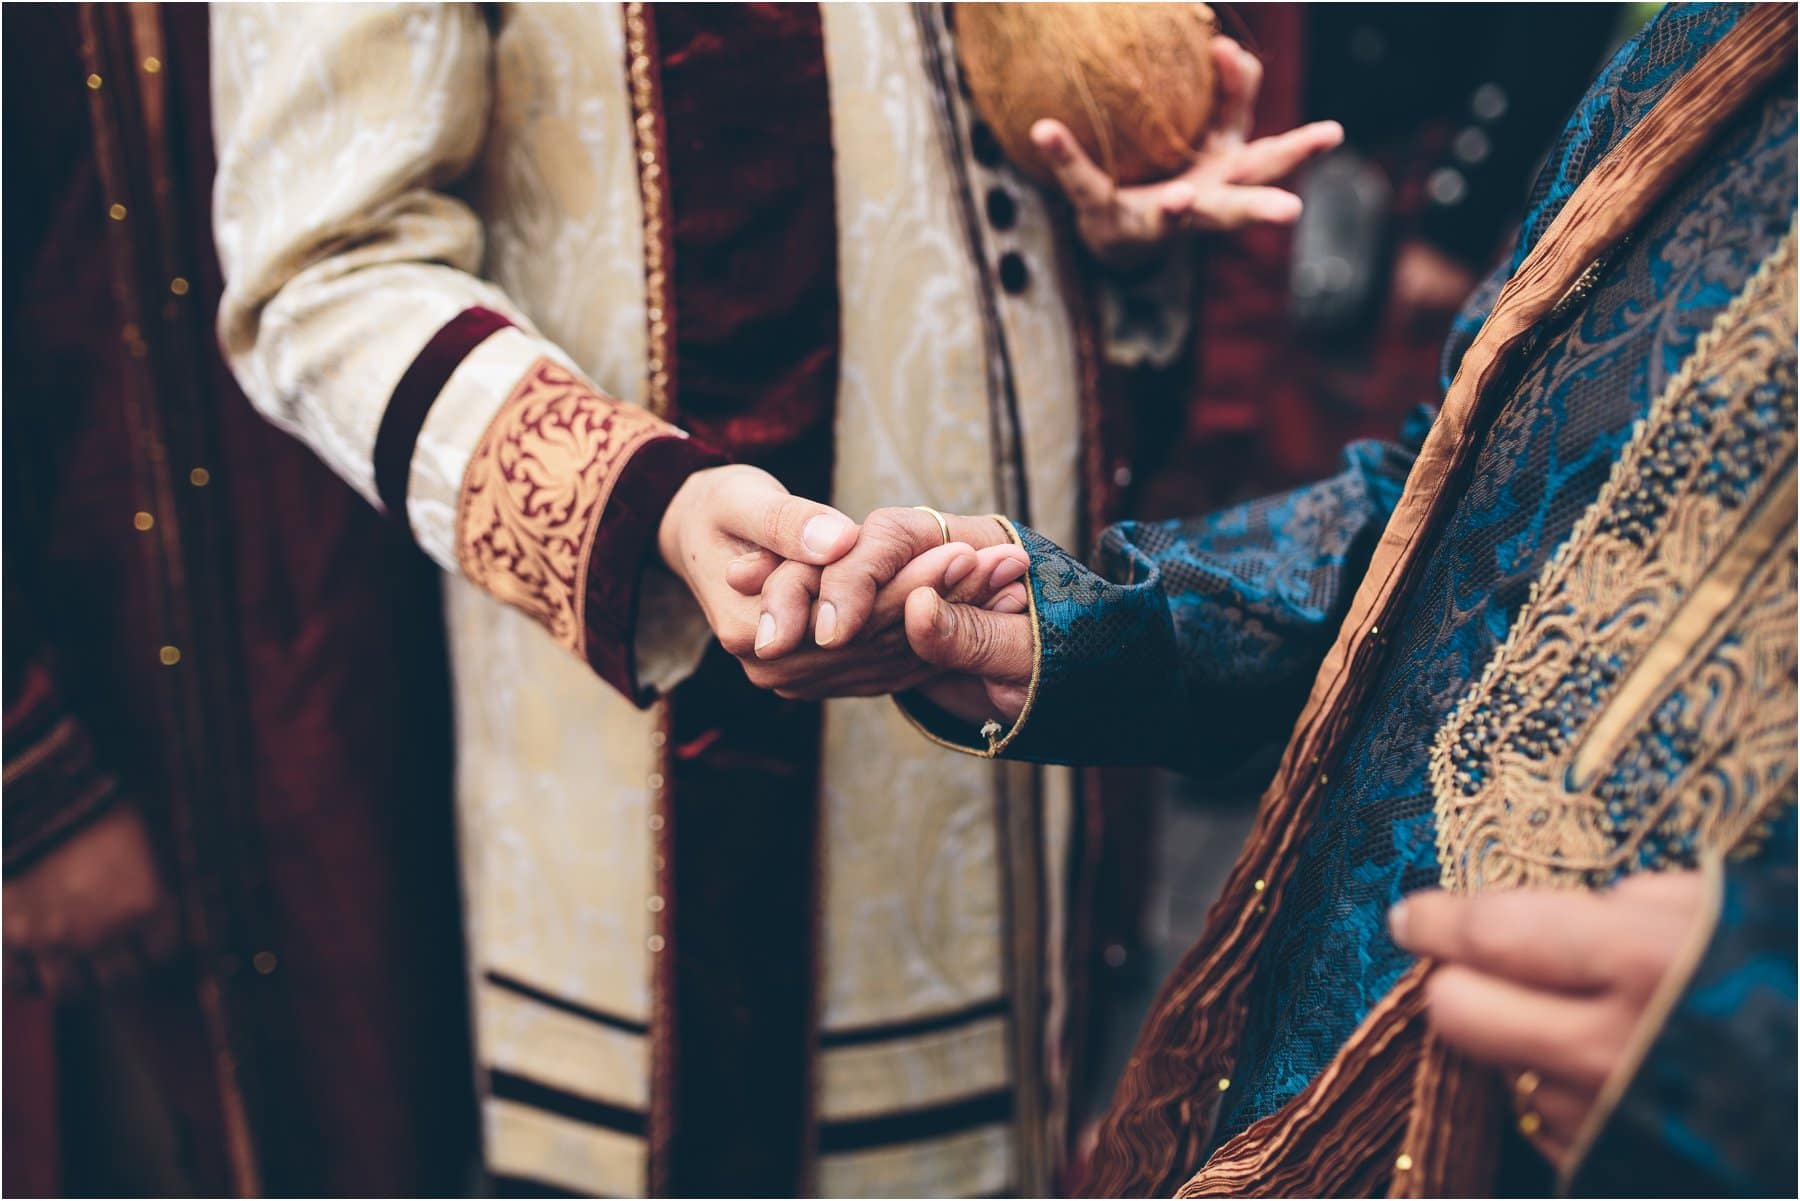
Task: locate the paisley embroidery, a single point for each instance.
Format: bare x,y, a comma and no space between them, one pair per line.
1642,710
535,490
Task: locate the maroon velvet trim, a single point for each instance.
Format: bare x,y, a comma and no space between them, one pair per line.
623,545
753,260
414,395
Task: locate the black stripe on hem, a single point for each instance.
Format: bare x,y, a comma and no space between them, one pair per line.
856,1036
574,1008
916,1125
504,1086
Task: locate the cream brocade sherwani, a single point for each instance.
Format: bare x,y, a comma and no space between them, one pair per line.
384,169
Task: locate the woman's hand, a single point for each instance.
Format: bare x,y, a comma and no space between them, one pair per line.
1226,187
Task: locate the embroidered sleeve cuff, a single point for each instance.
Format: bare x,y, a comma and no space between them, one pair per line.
53,784
558,510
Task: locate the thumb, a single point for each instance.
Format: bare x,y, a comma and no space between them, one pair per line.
994,646
756,508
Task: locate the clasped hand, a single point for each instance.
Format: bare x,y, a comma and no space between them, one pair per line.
816,605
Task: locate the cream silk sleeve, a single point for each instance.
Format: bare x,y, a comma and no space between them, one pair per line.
354,318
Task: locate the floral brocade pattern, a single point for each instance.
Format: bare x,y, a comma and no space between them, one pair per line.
535,490
1641,711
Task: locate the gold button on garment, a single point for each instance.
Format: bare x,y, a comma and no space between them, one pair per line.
116,212
179,286
1530,1123
143,520
264,962
1260,885
1403,1164
170,656
199,477
94,82
655,943
656,904
1224,1083
152,65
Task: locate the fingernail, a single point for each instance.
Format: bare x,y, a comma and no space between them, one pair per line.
1008,571
959,570
765,630
827,624
1397,923
1009,604
944,620
820,535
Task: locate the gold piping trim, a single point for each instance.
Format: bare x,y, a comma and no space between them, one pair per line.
655,199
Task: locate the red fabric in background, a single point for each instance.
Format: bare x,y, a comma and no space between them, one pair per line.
28,1078
334,858
1267,410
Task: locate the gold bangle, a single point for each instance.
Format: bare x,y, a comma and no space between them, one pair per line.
943,524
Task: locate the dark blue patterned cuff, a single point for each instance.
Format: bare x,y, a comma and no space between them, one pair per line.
1105,686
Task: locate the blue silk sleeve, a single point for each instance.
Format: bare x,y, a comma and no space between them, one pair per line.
1190,643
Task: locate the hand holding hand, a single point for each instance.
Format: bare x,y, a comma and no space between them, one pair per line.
1549,985
854,608
1224,189
92,911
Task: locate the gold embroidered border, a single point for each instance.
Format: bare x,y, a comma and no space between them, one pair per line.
1695,598
535,491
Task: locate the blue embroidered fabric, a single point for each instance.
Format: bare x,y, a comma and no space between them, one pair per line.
1329,957
1206,632
1200,636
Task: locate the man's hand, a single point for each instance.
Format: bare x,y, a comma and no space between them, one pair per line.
986,656
1548,985
93,910
1225,188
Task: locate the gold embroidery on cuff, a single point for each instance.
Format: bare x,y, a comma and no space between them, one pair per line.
1644,700
535,490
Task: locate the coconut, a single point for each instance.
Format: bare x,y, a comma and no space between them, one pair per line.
1133,82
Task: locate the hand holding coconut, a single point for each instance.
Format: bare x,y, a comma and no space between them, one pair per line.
1139,113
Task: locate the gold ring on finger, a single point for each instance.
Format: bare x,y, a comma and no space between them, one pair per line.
943,523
